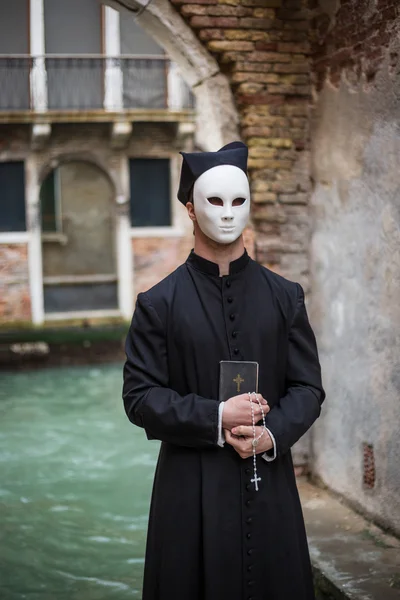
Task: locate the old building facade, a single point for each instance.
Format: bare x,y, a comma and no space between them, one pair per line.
92,115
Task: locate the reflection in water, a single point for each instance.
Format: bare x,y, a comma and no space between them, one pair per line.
75,483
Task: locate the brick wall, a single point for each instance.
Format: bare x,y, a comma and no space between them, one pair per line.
262,46
14,283
352,39
155,258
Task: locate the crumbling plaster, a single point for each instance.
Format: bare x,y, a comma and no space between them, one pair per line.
355,258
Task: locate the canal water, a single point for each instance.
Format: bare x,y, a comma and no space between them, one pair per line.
75,484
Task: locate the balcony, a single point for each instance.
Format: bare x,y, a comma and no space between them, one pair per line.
92,87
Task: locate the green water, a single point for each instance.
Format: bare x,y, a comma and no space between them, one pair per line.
75,483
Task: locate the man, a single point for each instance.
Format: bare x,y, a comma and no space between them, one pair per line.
212,535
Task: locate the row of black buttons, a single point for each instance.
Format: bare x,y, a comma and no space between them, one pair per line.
249,520
232,316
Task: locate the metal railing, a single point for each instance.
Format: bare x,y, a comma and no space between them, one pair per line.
14,82
91,82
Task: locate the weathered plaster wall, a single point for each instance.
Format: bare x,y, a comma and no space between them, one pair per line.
15,303
356,253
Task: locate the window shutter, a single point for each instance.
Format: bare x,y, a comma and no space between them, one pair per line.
12,196
150,192
48,203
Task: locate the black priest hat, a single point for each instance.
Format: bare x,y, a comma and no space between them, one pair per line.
195,164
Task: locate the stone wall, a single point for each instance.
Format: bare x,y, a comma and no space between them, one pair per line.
262,47
351,38
356,252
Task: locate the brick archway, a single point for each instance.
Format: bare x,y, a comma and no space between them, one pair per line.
247,63
217,117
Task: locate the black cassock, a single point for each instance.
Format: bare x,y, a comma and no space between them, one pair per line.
211,536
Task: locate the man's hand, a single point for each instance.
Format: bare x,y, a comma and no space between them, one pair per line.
243,444
237,410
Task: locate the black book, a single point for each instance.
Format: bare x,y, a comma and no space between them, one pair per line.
237,377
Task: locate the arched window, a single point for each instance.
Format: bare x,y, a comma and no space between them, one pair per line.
150,189
78,239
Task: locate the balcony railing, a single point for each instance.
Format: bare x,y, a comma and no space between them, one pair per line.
91,83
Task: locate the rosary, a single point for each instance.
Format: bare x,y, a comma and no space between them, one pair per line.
255,441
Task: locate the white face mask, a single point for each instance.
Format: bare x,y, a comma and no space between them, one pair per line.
221,198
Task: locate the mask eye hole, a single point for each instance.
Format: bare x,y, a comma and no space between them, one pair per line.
215,201
238,201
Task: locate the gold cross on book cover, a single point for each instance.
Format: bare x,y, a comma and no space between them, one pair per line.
237,377
238,380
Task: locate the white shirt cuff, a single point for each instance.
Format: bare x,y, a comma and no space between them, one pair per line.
266,456
221,438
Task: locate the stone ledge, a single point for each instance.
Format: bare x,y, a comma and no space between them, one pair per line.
352,558
139,115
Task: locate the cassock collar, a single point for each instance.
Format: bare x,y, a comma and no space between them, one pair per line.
210,268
